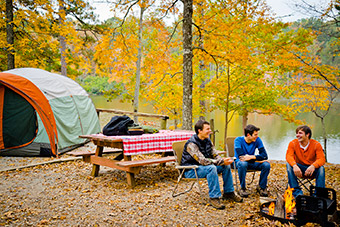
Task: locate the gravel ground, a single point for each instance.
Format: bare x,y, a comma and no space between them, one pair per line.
64,194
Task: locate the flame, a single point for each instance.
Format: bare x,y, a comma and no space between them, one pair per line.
289,200
271,208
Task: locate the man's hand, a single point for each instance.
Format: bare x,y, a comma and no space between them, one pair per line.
245,158
297,171
309,171
228,161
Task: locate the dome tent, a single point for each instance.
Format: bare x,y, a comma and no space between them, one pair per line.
43,113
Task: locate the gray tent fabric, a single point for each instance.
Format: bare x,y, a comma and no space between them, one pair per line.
73,110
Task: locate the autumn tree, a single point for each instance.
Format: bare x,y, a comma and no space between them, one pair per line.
328,18
247,49
127,9
36,28
317,97
117,53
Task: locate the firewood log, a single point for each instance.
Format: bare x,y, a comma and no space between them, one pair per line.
280,210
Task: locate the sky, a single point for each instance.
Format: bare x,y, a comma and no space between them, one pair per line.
283,9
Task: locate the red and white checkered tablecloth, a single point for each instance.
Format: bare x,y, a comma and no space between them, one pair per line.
152,143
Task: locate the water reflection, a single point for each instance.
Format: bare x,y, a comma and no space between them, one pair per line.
275,132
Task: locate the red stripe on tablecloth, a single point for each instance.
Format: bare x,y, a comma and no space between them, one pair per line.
160,142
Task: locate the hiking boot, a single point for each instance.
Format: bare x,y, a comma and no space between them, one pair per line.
232,196
244,193
216,203
263,191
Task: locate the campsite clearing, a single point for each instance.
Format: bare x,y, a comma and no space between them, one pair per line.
63,194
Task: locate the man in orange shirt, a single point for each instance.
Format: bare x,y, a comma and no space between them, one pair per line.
305,158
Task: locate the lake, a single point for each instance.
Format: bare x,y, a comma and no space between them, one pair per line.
274,131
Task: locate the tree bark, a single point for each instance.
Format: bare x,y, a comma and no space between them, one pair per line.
62,41
202,67
226,127
227,108
10,34
63,63
187,64
138,65
245,119
324,137
212,127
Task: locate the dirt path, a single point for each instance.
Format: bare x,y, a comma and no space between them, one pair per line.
64,194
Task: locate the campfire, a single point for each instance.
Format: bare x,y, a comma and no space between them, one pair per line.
283,207
320,208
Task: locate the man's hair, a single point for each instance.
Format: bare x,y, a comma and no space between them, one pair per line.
200,124
305,129
250,129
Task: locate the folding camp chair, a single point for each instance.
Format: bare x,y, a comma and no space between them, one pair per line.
231,153
305,183
178,148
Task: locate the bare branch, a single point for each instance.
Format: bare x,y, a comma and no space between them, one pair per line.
212,56
173,31
318,71
168,9
199,31
127,13
171,76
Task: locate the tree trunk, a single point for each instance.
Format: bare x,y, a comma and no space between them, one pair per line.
63,63
202,67
176,117
138,65
226,129
212,127
187,64
62,41
245,119
324,138
10,34
227,109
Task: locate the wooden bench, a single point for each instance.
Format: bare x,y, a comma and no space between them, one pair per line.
86,154
135,163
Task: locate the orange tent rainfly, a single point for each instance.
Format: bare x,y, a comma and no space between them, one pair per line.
42,113
28,91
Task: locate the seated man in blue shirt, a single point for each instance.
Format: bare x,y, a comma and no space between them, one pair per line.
245,147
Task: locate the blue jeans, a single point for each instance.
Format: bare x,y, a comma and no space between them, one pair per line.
319,175
211,173
244,166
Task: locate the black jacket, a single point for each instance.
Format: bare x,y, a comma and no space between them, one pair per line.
205,146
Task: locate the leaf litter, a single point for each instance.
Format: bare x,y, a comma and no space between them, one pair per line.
64,194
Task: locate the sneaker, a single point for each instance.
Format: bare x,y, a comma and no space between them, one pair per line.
216,203
244,193
232,196
263,191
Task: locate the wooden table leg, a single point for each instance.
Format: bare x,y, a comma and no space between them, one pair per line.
163,155
130,177
95,168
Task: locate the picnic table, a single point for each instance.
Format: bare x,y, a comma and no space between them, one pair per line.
127,146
